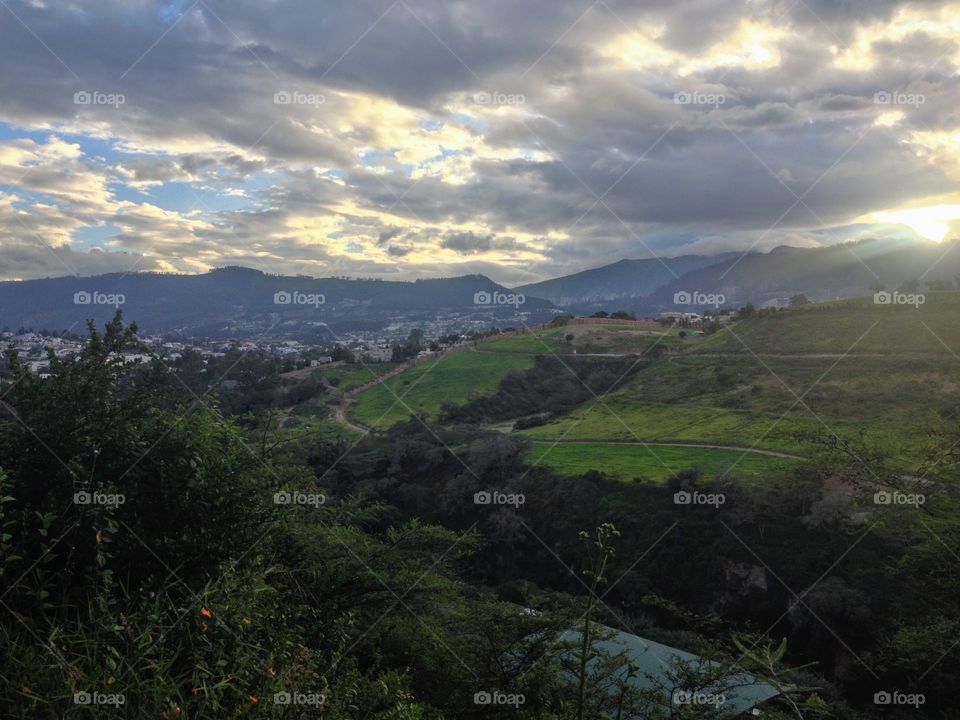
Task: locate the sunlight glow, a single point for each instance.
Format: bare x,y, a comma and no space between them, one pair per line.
932,223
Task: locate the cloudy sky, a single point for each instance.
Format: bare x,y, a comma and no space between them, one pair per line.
519,138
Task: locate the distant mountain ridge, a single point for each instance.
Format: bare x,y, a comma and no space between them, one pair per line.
824,273
240,301
234,299
622,279
647,287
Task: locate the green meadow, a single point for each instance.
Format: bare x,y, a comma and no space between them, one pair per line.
454,377
653,462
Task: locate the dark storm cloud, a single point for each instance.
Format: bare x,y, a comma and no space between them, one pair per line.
467,243
389,234
599,157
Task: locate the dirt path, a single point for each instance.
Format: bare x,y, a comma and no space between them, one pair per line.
667,443
302,373
340,415
380,378
341,411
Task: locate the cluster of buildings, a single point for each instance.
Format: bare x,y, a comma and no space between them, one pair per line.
32,347
692,319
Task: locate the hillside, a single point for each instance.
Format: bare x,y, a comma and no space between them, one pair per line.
846,270
852,366
587,359
837,367
827,273
621,280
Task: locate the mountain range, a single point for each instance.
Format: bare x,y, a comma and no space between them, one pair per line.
234,300
647,287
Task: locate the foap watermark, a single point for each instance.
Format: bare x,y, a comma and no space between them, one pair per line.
299,698
296,297
697,97
698,697
686,497
695,297
487,298
899,298
496,697
92,697
285,497
95,97
497,98
896,497
82,297
99,498
486,497
295,97
895,697
885,97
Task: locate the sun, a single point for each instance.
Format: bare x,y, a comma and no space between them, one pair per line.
932,222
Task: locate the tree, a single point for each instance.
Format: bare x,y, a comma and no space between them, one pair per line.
799,300
342,353
104,427
411,347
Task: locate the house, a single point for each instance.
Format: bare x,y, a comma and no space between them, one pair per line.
682,318
378,354
664,673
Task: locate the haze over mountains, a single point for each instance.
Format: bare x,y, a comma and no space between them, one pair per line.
236,300
824,273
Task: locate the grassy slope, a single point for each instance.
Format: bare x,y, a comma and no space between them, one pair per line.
738,387
347,377
459,375
628,462
586,339
453,377
732,387
835,327
620,418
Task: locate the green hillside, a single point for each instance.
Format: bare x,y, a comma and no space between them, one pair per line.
858,326
838,367
453,377
585,340
656,462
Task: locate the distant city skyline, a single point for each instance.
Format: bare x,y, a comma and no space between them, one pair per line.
424,138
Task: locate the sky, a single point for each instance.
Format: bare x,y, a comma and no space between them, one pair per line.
421,138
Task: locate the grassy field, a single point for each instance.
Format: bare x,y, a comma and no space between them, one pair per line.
891,384
895,393
622,419
317,420
586,339
886,370
348,377
455,377
628,462
836,328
